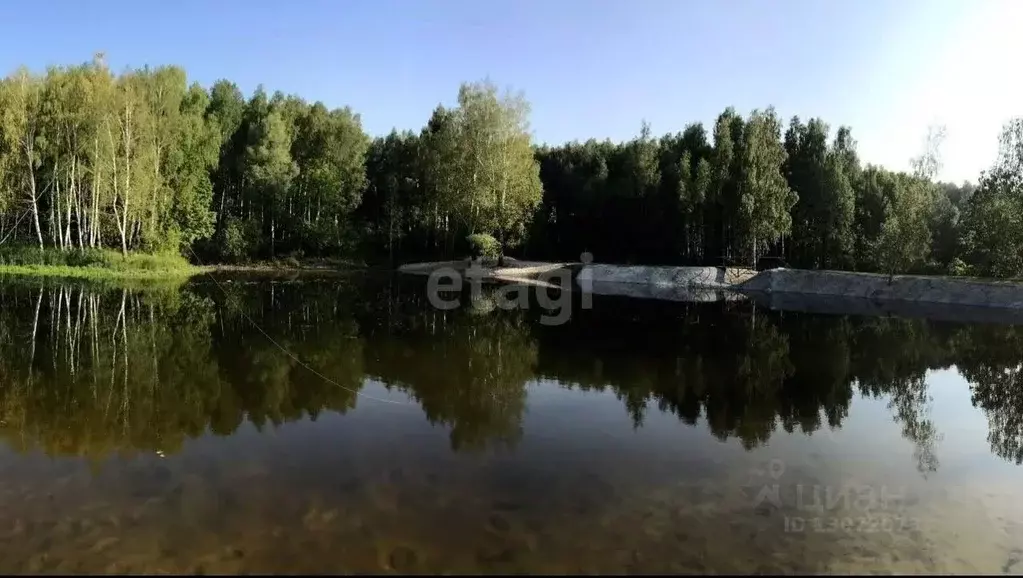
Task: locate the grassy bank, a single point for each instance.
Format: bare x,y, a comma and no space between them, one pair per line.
93,264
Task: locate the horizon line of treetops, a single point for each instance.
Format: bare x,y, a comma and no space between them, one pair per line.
145,161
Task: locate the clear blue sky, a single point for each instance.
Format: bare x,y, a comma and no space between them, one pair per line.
888,68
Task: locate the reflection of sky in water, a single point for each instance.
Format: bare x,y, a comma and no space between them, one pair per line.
572,422
964,450
869,433
575,426
576,421
571,427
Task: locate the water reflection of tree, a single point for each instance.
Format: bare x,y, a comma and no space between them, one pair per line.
992,362
818,386
468,369
90,371
93,370
275,344
728,368
106,370
747,373
891,358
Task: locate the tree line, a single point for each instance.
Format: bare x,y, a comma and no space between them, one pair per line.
145,161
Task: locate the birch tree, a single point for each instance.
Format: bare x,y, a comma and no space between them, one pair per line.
765,198
21,99
270,168
494,179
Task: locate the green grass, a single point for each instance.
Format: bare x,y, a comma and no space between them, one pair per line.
93,264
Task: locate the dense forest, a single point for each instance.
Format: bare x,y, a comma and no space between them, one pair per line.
145,161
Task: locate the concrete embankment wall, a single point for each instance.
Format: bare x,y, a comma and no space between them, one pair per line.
654,276
908,288
665,293
839,305
641,281
514,268
678,277
663,283
430,267
785,288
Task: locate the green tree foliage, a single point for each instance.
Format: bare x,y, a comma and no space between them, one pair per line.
823,178
493,183
838,213
484,245
994,213
724,182
143,160
806,148
329,150
945,225
270,169
905,237
22,144
189,166
892,221
117,161
391,204
764,195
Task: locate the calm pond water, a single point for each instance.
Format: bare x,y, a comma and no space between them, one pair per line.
344,425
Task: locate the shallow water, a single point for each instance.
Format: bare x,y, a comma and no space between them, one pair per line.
345,425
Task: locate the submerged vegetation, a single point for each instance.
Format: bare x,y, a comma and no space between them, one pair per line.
143,161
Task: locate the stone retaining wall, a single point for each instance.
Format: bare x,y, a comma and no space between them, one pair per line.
692,283
661,293
875,287
836,305
663,277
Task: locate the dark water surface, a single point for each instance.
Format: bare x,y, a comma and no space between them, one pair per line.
344,425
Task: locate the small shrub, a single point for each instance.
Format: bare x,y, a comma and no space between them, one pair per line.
483,245
90,258
958,268
239,241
